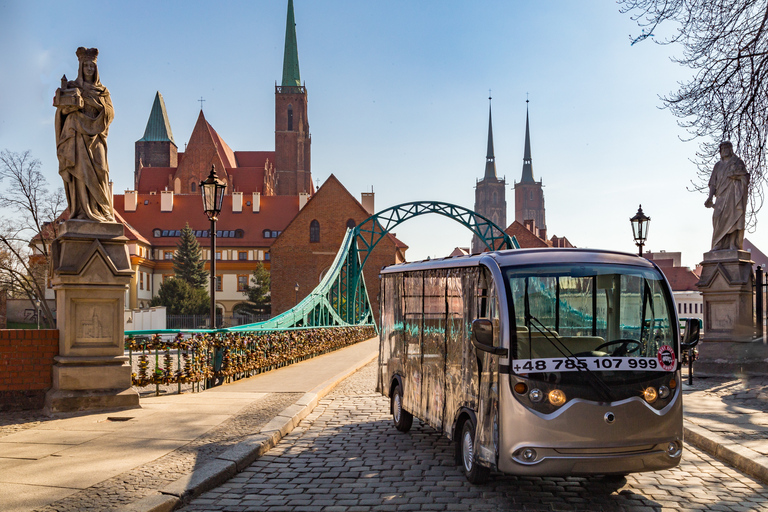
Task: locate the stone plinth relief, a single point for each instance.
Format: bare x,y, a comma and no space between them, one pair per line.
83,115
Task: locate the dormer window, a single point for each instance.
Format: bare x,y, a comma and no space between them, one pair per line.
267,233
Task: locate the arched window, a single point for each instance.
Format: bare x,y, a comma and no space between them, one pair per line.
193,187
314,231
351,223
290,118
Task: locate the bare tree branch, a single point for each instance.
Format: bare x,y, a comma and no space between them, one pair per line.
27,228
725,43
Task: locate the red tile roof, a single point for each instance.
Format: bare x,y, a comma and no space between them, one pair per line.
154,178
254,158
525,238
275,214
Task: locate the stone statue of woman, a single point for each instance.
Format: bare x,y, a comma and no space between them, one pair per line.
83,115
729,183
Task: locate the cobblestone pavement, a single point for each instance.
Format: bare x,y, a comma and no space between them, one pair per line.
347,456
744,399
143,480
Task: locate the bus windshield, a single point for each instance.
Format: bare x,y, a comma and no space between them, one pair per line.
615,321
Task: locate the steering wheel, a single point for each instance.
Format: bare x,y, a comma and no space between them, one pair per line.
623,349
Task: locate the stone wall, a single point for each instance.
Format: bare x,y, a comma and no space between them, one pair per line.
26,359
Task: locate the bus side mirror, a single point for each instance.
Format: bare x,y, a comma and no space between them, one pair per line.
691,337
482,337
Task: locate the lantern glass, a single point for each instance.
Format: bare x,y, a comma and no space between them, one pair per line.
640,224
212,191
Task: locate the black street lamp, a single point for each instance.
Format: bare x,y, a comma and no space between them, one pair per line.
212,190
640,228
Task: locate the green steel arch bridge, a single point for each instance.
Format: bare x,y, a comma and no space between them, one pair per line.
341,299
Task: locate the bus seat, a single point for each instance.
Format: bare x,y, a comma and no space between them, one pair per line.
544,349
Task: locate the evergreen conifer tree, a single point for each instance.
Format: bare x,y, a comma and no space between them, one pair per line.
259,298
187,264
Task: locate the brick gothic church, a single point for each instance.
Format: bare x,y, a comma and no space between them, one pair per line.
265,192
529,196
529,226
490,192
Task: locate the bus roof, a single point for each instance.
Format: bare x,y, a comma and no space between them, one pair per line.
521,257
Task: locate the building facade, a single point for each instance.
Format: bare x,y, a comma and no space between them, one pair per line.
303,253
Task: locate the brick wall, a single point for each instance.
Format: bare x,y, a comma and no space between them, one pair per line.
26,358
297,260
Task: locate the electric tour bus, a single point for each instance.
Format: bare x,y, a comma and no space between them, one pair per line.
537,361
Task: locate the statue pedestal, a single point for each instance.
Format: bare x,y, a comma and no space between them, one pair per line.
726,285
91,269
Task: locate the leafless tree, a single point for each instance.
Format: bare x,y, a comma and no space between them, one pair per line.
725,43
27,227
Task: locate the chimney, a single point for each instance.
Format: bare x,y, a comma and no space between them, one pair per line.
256,202
166,200
366,198
237,202
530,225
543,234
131,200
303,198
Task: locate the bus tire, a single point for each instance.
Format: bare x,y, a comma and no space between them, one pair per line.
403,419
475,473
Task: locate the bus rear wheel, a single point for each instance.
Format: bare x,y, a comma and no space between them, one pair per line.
475,473
403,419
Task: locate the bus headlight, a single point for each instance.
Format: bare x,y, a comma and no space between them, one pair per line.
650,395
663,392
556,397
536,395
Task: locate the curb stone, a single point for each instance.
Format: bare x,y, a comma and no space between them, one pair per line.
742,458
239,457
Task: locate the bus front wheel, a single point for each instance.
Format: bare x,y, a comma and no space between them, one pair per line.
403,419
475,473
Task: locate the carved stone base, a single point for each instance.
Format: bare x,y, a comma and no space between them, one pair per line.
726,285
91,269
60,400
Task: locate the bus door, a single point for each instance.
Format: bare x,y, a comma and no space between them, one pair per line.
433,348
413,289
487,433
460,363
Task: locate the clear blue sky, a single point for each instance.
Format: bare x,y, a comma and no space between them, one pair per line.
398,101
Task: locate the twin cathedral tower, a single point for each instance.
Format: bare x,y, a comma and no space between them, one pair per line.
490,192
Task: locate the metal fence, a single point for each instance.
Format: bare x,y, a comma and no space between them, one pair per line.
192,361
204,321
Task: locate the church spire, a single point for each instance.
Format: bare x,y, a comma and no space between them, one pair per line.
158,126
527,161
291,76
490,159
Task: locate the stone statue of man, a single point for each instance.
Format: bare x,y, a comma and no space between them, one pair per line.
83,115
729,183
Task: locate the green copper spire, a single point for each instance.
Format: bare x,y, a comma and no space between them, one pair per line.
490,159
291,76
158,127
527,161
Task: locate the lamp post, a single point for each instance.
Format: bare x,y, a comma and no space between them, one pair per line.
296,289
212,190
37,304
640,228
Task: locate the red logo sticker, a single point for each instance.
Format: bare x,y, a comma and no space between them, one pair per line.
666,358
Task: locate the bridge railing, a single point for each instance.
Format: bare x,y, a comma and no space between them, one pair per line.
194,360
